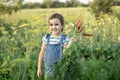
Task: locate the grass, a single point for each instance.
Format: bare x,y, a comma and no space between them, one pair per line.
22,32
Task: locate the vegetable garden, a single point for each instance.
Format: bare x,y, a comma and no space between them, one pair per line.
95,57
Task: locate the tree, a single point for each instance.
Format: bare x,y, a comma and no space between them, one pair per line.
47,3
117,2
75,3
100,7
7,6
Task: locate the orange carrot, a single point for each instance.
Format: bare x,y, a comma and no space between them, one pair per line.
86,34
80,29
78,23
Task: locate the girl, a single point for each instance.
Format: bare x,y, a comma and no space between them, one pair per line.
53,45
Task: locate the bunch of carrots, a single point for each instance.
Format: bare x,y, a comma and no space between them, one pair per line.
80,28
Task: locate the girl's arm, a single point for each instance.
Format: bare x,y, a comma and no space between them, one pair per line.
66,45
40,59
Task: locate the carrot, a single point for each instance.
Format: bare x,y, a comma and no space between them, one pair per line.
78,23
86,34
80,29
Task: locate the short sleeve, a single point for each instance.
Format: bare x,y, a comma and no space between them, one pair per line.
45,39
66,40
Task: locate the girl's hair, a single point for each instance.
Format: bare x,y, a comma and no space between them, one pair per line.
58,16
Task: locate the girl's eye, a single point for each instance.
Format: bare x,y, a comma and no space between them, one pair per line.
56,24
51,24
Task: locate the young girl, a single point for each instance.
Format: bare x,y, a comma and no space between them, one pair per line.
53,45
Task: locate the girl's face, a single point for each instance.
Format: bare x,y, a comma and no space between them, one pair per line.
55,26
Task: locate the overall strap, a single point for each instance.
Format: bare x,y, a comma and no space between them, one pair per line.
61,43
48,37
62,38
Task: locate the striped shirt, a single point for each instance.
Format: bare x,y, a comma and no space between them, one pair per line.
55,40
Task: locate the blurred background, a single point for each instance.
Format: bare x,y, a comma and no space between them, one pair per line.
23,23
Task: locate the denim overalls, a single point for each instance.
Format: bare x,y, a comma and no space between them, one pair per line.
52,55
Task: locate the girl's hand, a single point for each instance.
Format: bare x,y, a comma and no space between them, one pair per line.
74,39
39,72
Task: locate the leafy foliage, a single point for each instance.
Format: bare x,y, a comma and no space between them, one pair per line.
69,66
89,58
8,6
100,7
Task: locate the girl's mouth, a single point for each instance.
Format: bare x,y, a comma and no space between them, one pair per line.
54,29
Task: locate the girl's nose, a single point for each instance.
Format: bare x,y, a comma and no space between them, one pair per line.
53,26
